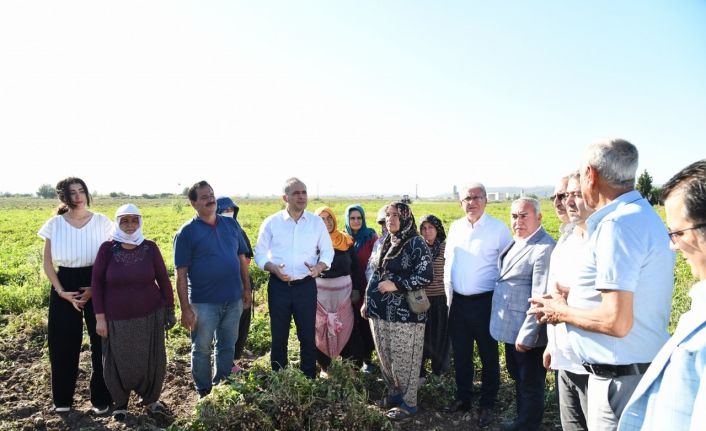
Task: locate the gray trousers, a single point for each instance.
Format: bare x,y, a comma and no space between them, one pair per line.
607,398
573,400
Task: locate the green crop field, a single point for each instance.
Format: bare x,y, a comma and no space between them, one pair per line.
24,293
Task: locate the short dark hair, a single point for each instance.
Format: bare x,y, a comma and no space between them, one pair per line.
194,190
64,193
691,182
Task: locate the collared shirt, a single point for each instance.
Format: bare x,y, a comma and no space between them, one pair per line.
211,254
282,240
672,393
630,249
570,266
471,253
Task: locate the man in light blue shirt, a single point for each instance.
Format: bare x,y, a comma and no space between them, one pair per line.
617,334
295,247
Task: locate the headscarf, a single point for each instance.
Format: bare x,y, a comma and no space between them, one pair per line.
394,242
364,234
223,203
341,241
440,233
118,235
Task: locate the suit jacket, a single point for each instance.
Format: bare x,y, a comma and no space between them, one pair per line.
672,394
523,274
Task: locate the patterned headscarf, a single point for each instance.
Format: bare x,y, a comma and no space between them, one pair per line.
392,246
364,234
340,240
440,233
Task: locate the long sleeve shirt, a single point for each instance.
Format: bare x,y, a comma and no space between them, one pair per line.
128,284
472,252
282,240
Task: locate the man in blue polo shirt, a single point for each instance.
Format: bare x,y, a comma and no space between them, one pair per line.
209,257
617,333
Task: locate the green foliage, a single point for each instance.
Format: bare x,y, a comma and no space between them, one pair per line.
46,191
644,186
286,400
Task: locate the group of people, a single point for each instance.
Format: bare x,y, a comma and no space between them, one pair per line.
593,306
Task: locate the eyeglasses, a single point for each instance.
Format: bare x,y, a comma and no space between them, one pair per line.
679,233
560,196
473,198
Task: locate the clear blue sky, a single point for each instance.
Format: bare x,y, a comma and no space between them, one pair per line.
354,97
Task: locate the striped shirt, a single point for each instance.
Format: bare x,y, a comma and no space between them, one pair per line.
436,288
76,247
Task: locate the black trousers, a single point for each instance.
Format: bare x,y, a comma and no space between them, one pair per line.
243,330
65,335
469,322
284,302
529,374
436,337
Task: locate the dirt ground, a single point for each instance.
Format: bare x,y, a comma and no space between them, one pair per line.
25,398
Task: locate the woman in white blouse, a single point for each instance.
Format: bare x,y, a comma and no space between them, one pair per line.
72,238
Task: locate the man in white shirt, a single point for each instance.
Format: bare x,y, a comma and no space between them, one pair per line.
473,246
295,247
570,267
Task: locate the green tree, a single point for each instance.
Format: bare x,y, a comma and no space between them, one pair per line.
644,186
46,192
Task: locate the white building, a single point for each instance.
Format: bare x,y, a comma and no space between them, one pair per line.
497,196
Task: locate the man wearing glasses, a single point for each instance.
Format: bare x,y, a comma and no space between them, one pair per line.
473,246
558,198
617,334
672,395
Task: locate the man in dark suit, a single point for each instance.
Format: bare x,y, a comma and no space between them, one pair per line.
524,268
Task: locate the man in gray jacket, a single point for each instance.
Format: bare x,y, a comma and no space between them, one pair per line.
524,269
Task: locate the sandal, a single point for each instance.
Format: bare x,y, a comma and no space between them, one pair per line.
389,402
399,414
120,414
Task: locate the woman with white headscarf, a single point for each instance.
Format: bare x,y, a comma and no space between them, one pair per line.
134,303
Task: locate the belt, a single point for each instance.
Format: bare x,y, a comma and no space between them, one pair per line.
298,282
612,371
473,297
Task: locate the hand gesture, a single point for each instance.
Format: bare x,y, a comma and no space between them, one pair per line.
278,271
188,318
247,298
314,270
101,326
169,318
84,295
72,298
387,286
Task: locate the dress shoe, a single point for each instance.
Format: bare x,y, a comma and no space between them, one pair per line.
458,406
510,426
485,417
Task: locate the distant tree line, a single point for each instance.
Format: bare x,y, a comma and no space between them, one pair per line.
46,191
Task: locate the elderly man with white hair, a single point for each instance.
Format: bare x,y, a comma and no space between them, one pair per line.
618,333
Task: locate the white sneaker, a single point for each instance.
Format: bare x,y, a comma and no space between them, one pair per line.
100,410
61,409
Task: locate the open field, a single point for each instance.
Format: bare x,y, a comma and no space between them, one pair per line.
24,367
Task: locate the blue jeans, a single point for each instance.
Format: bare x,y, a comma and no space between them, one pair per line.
220,320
